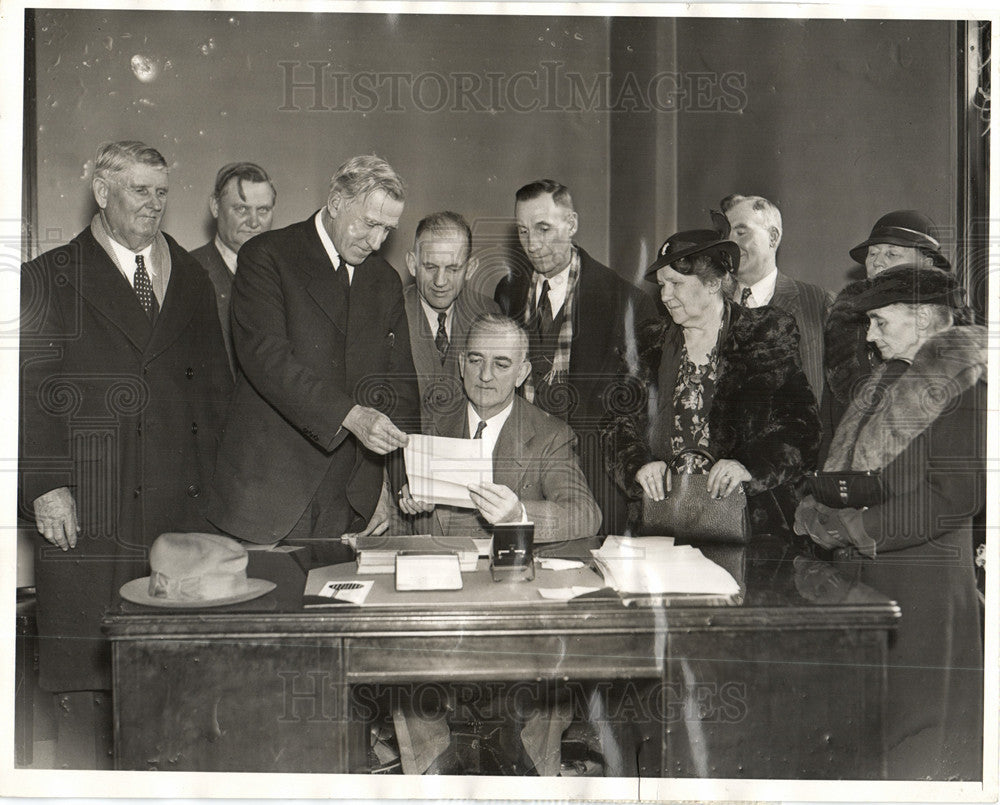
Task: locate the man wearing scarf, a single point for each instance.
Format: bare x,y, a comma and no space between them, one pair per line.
124,383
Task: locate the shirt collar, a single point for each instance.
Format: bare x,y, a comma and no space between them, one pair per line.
328,246
763,289
556,281
126,257
494,424
227,254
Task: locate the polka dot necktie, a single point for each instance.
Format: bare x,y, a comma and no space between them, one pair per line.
745,296
441,339
144,288
479,430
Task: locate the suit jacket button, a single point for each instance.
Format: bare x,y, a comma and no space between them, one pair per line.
194,490
194,427
138,428
189,373
137,491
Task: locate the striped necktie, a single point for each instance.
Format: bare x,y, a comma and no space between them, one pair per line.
479,430
441,339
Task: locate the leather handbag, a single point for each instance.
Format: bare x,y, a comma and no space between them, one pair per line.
690,513
854,489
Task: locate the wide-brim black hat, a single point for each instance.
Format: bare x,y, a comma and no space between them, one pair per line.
911,285
699,241
903,228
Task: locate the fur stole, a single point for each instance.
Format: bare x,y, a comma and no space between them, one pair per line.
947,365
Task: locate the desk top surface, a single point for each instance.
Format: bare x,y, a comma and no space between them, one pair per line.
783,587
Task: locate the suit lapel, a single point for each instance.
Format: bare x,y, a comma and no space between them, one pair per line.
106,290
511,454
322,285
179,305
786,295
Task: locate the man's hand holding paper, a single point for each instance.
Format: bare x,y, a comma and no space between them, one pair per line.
441,469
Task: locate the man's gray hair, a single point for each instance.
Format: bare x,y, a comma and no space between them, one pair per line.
364,174
498,324
115,158
768,210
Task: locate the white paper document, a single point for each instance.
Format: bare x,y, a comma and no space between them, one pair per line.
440,469
654,565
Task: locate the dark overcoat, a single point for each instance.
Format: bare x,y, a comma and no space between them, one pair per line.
763,413
125,413
607,311
924,557
306,356
222,280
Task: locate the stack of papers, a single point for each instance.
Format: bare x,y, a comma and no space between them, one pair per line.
378,554
656,566
439,469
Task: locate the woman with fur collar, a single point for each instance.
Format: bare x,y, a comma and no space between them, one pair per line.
717,376
898,238
920,418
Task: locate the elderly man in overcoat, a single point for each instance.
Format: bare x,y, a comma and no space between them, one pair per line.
124,385
326,385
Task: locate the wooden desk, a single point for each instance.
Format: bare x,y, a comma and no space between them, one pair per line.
790,684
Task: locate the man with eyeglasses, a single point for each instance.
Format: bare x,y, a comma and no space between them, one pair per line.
124,386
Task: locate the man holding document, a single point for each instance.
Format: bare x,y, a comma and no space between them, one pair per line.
535,474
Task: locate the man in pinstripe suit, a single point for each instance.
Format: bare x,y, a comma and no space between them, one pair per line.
756,229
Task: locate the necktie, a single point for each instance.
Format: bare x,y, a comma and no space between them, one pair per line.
479,430
747,293
144,288
343,278
441,339
544,308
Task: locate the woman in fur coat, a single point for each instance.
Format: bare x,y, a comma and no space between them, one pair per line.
720,377
920,418
901,237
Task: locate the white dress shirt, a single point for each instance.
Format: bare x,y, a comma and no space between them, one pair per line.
490,435
331,250
557,289
125,258
227,254
760,292
432,318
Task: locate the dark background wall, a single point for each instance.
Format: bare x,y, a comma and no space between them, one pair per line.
650,121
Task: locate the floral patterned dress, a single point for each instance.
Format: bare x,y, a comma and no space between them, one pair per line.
692,400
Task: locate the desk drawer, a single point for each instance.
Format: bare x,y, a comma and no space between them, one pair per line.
500,657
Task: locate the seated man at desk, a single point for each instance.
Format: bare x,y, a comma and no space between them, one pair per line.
536,476
537,479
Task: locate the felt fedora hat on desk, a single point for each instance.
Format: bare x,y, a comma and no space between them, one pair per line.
195,570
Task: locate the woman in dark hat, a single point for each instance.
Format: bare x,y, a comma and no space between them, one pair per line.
719,377
901,237
920,418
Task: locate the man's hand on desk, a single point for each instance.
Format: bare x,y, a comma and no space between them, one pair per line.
55,517
411,506
379,522
374,429
497,503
